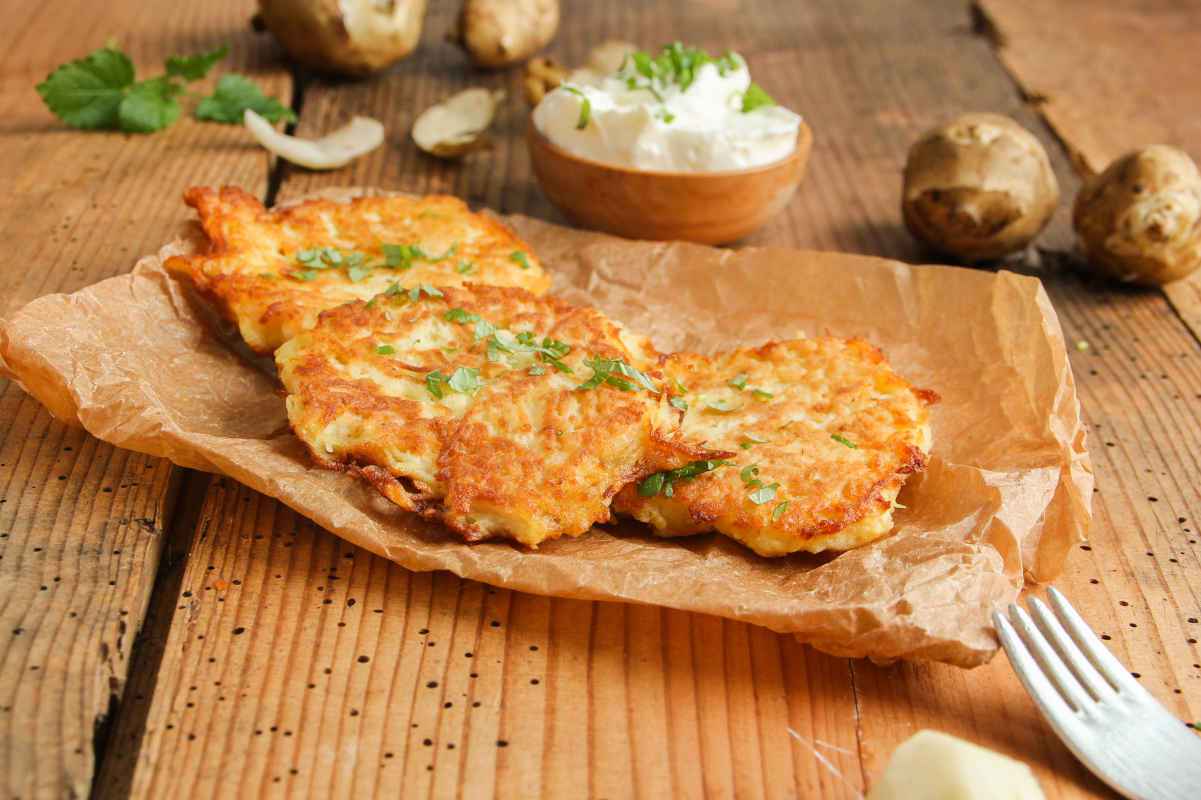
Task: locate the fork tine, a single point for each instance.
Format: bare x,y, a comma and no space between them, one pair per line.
1045,696
1051,663
1075,660
1097,653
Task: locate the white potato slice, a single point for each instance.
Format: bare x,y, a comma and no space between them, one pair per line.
359,136
458,124
935,766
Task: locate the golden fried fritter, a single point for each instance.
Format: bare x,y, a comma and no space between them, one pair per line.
273,272
826,433
499,412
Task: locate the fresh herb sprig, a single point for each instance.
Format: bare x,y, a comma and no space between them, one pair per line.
664,482
101,92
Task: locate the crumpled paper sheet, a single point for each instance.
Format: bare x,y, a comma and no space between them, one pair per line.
135,361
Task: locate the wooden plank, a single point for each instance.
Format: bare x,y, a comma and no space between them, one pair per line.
1146,80
634,701
81,523
296,659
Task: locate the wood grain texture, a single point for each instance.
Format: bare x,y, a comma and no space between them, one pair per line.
269,680
641,702
1145,80
81,523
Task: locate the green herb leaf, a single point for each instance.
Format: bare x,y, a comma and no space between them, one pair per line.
87,93
749,472
679,402
430,291
754,97
236,93
764,494
149,106
385,349
761,394
465,380
303,275
520,259
193,68
844,441
663,481
433,384
358,273
652,484
484,329
610,371
461,316
778,511
739,381
721,405
537,369
463,267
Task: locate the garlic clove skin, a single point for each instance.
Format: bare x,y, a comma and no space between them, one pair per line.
337,149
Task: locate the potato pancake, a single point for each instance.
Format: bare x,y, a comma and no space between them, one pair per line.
273,272
826,434
496,411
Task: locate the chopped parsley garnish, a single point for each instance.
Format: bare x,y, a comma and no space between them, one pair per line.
661,482
464,266
303,275
615,372
464,380
460,316
430,291
519,258
754,97
778,511
385,349
402,256
749,440
585,107
679,402
721,405
549,350
761,394
764,494
844,441
739,381
433,384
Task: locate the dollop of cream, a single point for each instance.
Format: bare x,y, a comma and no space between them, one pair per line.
700,128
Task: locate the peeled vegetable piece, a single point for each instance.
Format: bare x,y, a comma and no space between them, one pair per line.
346,37
979,187
458,124
934,766
358,137
499,33
1140,220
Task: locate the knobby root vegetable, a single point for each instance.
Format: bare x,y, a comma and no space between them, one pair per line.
1140,220
345,37
499,33
978,188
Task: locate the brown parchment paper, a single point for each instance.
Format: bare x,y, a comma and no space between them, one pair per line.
1007,493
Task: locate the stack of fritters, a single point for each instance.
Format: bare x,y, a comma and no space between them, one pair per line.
503,413
496,411
273,272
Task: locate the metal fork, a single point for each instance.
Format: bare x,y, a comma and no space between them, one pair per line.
1100,712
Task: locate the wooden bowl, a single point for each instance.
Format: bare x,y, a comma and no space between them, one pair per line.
705,207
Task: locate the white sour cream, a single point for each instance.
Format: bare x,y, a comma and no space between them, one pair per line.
698,129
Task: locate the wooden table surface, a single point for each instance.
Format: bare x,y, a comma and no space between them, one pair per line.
173,634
